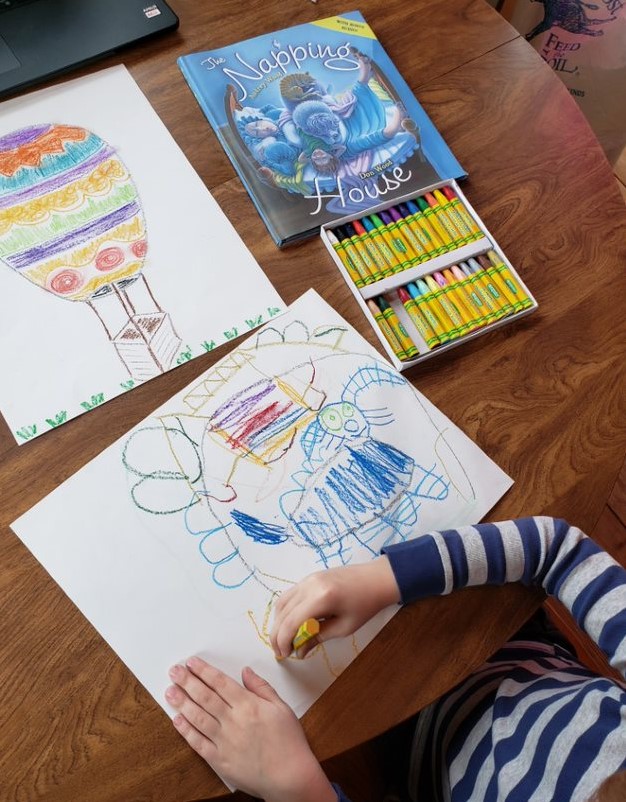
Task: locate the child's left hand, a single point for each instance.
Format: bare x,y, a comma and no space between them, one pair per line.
248,735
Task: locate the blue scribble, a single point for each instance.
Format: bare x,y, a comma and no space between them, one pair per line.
271,534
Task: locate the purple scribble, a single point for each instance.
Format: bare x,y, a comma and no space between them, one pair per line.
77,237
17,138
240,405
59,180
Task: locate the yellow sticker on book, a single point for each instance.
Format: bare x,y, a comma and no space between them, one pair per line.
344,25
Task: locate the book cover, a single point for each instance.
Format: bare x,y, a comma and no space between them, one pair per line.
318,123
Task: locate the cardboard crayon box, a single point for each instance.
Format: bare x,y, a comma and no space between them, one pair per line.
452,291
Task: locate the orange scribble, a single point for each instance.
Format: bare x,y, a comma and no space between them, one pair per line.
31,153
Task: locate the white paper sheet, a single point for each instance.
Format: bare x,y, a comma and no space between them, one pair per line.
301,450
96,197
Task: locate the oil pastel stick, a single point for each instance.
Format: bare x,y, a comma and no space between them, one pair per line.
459,207
408,346
446,222
306,631
404,228
346,260
355,257
388,334
505,307
396,245
516,293
420,293
418,320
419,217
372,249
458,325
435,223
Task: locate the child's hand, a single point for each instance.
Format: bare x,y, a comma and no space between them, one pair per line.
247,734
343,599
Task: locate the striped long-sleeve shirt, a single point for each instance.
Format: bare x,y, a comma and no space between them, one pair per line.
532,724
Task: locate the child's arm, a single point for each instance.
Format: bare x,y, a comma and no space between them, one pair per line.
535,551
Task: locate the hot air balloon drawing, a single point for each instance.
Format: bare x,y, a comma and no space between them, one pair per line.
72,223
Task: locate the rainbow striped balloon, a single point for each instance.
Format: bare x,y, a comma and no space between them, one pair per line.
70,218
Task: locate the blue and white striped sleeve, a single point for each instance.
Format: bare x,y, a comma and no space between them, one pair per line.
541,551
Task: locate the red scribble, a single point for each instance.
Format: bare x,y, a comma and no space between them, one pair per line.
65,282
108,258
261,419
139,248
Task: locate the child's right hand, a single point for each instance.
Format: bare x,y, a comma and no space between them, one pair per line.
342,599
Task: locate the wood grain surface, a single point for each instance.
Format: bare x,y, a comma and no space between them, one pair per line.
543,397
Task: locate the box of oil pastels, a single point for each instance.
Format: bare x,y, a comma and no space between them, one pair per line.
426,272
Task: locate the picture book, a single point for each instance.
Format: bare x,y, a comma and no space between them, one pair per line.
318,122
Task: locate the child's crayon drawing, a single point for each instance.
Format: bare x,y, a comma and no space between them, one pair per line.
300,450
112,253
294,443
71,222
321,463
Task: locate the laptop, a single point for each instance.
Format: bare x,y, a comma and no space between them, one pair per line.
40,38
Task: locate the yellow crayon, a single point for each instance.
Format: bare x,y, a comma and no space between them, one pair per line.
355,257
310,629
454,216
446,222
398,329
389,335
362,251
469,311
419,223
380,265
491,310
397,245
492,289
511,288
396,232
431,217
391,263
419,321
420,234
459,208
346,259
405,229
422,297
464,284
451,296
448,313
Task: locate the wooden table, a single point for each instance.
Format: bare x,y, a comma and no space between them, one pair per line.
543,397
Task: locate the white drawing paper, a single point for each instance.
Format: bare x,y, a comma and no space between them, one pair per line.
301,450
116,263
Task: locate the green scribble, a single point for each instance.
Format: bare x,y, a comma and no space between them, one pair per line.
184,356
32,236
95,401
272,311
230,334
252,324
208,346
127,385
58,419
26,432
